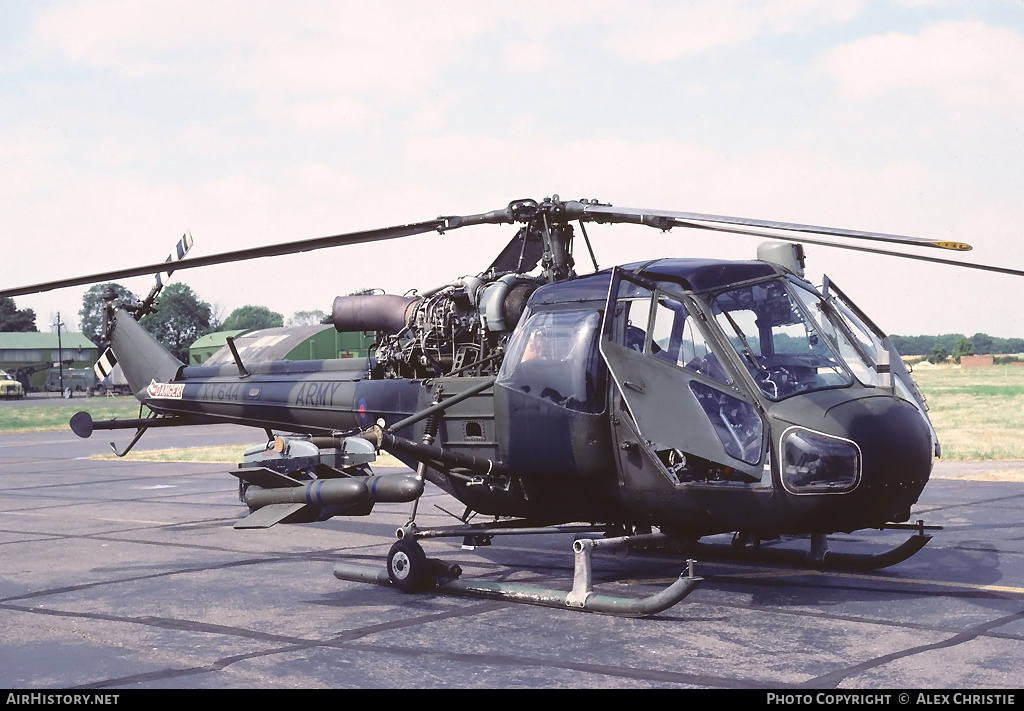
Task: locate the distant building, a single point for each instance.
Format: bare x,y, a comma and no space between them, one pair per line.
38,352
976,361
200,351
319,342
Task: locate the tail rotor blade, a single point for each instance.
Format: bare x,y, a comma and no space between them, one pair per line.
105,365
180,250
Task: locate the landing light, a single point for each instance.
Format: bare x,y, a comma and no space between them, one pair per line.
814,462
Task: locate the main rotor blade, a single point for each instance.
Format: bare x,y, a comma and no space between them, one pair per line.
859,248
664,219
296,247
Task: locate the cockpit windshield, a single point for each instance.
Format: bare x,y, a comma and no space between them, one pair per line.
784,351
858,345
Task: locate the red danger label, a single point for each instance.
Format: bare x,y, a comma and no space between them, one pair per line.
165,390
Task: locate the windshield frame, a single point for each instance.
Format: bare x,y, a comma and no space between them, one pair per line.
858,342
778,375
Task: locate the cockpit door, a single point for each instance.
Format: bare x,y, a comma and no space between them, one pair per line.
680,398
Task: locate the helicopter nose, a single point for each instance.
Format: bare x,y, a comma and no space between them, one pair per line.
896,451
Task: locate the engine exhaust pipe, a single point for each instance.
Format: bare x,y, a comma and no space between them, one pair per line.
373,312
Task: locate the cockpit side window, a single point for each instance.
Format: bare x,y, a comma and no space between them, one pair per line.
659,325
632,315
677,339
554,356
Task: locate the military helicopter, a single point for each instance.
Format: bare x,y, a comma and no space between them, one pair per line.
654,403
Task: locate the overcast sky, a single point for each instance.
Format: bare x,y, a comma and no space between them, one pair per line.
124,124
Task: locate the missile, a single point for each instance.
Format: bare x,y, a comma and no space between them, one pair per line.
389,488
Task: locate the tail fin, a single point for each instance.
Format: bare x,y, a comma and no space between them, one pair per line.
150,360
141,356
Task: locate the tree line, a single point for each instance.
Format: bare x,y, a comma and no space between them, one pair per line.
14,319
957,344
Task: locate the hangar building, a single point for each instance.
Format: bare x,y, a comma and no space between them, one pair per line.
33,354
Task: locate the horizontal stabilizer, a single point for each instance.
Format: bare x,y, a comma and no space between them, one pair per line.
81,424
265,478
267,516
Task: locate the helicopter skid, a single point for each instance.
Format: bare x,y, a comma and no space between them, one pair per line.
445,578
819,556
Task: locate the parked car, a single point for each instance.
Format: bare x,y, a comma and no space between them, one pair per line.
10,389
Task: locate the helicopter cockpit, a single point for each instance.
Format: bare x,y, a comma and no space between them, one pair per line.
701,342
783,350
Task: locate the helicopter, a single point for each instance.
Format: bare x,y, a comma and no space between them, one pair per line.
650,404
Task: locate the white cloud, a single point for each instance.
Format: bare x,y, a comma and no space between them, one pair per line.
332,113
324,180
235,192
961,62
923,3
302,46
317,65
527,56
429,116
667,31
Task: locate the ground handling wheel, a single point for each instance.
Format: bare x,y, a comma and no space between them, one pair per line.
408,568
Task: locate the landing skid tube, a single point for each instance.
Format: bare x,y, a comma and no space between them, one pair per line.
819,556
409,569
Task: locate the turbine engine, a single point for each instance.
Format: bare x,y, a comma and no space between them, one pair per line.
454,327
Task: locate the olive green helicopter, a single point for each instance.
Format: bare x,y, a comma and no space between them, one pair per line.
651,404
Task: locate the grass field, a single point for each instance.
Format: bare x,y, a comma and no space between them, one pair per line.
978,414
224,454
228,454
55,417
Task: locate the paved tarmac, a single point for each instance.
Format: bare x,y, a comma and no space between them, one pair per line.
122,575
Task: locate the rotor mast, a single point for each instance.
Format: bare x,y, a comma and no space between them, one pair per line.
547,221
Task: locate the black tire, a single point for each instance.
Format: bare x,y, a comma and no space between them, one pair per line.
407,566
748,544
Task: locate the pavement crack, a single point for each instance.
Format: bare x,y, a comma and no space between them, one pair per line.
833,679
348,640
291,644
165,573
